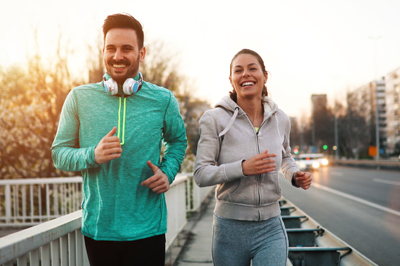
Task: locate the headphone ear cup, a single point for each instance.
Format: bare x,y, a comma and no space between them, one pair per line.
111,86
130,86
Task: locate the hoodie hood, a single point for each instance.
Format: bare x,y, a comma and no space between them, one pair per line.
270,108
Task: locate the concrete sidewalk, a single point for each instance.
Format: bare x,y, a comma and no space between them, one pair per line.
196,249
194,244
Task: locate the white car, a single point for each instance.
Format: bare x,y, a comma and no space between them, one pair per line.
310,161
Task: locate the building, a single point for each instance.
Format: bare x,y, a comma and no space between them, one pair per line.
369,101
393,112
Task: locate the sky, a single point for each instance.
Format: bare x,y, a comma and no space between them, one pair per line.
309,46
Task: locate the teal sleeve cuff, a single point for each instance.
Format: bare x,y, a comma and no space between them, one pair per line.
170,176
91,158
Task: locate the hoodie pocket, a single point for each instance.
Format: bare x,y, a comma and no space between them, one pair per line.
270,191
225,190
241,191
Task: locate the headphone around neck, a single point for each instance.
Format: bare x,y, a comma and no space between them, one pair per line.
130,86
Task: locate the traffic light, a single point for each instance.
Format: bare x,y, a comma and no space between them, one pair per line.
295,151
325,147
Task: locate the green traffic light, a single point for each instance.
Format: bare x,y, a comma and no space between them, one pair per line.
325,147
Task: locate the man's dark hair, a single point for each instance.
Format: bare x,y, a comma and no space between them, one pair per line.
124,21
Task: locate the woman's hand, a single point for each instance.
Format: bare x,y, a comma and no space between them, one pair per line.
303,179
259,164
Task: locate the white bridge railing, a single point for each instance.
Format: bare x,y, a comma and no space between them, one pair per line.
27,202
59,241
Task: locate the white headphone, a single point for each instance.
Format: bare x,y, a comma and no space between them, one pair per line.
131,86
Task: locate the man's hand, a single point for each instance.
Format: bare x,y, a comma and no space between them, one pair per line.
158,182
109,148
259,164
303,179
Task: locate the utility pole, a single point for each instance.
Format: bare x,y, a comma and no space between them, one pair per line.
336,134
377,122
314,149
375,39
336,129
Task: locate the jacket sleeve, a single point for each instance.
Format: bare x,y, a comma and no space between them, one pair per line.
175,140
207,171
289,166
66,153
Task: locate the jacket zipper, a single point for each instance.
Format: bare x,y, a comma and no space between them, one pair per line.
120,135
258,178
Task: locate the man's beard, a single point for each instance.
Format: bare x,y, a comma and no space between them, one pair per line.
132,69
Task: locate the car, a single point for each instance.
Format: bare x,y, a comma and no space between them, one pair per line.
323,161
311,161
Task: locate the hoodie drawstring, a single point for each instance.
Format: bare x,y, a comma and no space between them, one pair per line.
123,121
223,132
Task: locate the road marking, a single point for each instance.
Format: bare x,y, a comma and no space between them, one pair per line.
386,181
357,199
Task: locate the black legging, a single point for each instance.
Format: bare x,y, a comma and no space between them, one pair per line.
142,252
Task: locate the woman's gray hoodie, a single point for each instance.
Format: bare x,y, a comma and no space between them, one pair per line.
227,137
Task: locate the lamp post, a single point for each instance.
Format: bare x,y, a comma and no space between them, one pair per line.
375,39
336,134
336,129
377,123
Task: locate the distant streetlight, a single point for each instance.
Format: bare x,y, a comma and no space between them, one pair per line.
375,39
336,134
336,129
377,122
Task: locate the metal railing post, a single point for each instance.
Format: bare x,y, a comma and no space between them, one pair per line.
8,203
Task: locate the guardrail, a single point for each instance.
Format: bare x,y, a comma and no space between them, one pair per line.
60,242
56,242
311,244
27,202
381,164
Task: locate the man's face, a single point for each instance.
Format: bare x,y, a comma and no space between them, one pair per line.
121,54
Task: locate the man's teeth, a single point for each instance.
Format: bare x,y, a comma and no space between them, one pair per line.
118,65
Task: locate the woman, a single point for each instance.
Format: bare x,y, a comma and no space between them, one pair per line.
243,144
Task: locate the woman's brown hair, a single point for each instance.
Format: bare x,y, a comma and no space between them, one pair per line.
233,93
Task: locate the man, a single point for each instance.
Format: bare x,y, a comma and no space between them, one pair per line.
124,218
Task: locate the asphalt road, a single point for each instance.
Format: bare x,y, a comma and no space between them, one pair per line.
360,206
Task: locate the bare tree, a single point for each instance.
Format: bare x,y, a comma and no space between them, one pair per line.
33,95
95,61
353,132
160,67
31,102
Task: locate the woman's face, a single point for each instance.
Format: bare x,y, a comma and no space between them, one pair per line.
247,76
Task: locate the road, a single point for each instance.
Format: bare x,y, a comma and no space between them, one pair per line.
360,206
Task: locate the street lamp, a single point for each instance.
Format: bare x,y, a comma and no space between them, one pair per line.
377,122
336,134
375,39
